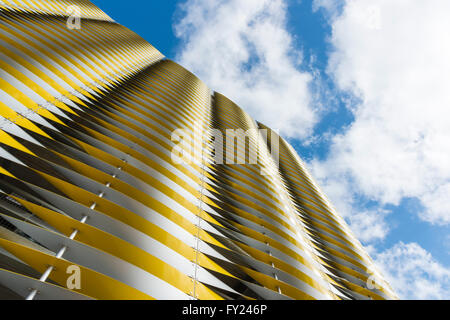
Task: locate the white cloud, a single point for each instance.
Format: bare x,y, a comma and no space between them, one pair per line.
243,50
414,273
329,5
368,225
393,55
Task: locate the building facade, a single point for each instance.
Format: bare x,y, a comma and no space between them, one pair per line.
101,196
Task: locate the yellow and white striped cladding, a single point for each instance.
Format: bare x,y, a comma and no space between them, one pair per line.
86,121
55,7
277,227
328,229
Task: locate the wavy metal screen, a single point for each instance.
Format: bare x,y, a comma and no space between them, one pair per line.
94,206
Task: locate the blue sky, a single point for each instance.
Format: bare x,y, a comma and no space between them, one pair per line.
354,108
